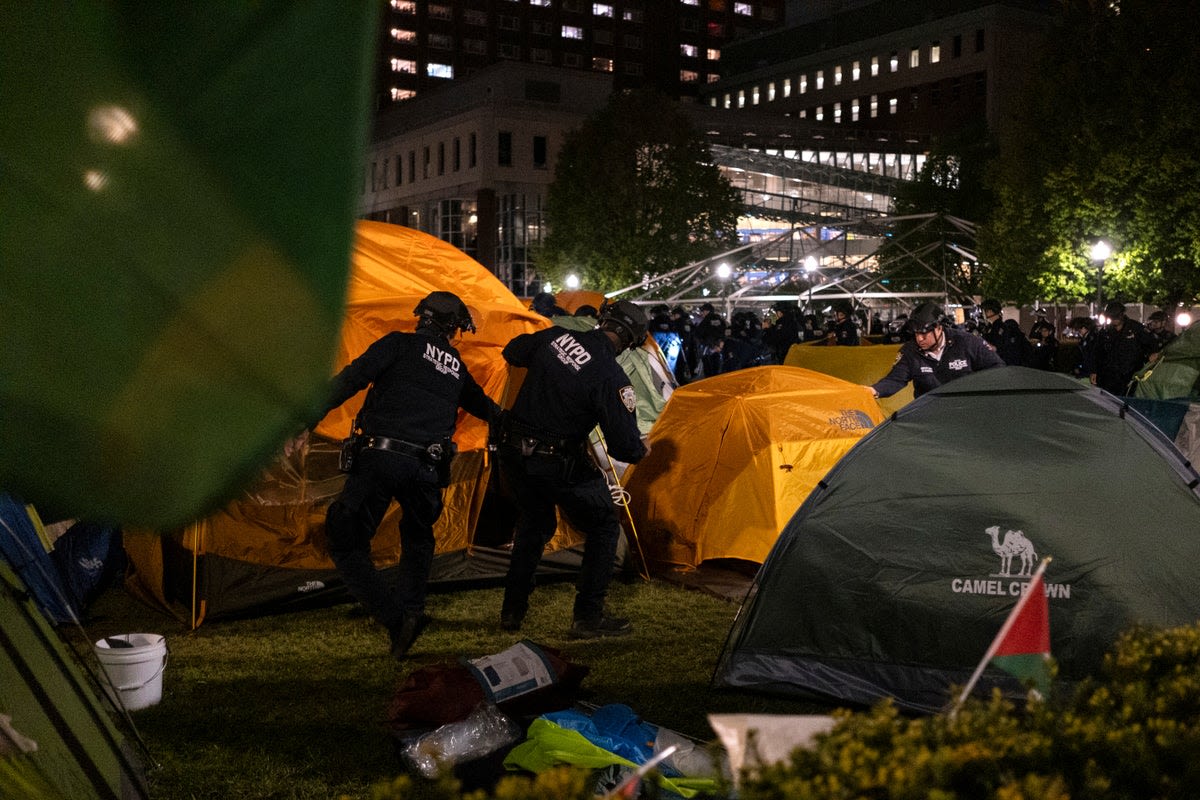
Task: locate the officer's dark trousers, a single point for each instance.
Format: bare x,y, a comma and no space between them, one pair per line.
539,484
352,520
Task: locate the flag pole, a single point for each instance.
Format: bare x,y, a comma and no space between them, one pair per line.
1004,629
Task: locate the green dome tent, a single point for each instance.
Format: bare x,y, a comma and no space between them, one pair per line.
897,572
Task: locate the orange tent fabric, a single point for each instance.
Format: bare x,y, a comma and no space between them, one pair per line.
733,456
393,269
270,542
864,364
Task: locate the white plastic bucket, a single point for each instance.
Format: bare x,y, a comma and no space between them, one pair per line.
134,674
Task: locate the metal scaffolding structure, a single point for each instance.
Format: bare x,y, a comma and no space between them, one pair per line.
874,262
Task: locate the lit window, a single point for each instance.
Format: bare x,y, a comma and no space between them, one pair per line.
854,110
402,94
855,71
713,77
804,113
837,113
712,102
771,92
688,76
404,65
439,70
754,96
893,105
602,10
837,76
402,35
690,2
631,16
820,113
745,9
803,84
820,80
787,87
741,98
404,6
874,66
728,100
542,3
713,54
689,50
935,53
874,106
914,57
894,62
602,64
572,32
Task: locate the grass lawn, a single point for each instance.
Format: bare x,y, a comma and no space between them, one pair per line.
294,705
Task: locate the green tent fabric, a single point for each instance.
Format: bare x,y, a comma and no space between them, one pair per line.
179,186
57,740
1176,372
897,572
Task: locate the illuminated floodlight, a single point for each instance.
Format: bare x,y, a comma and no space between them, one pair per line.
1183,319
1101,251
572,281
810,264
724,270
547,288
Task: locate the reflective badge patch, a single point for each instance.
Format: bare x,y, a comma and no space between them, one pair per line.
628,397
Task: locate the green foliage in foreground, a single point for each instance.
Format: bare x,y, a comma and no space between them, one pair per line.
1132,733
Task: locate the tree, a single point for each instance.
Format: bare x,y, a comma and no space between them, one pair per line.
1103,147
635,193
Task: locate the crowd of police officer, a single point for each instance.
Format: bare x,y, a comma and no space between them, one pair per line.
401,446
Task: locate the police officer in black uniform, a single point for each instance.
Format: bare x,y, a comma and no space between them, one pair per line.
573,383
401,448
936,354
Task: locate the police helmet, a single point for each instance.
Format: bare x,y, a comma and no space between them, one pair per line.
444,311
626,319
925,318
1114,309
990,304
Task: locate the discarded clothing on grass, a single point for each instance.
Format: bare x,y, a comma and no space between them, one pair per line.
443,693
611,736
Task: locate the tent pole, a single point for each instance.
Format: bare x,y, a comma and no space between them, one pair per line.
620,495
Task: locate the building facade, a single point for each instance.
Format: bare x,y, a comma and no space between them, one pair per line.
472,164
672,45
923,70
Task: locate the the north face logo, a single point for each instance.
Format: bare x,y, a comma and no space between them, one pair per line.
1014,543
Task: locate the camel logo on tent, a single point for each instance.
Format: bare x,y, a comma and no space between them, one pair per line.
1014,543
1018,559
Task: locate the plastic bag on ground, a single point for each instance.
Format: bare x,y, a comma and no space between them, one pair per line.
485,731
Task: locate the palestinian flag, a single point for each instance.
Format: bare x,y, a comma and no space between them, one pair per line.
1022,648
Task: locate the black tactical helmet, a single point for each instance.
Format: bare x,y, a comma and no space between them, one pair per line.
626,319
991,304
1114,309
445,312
925,317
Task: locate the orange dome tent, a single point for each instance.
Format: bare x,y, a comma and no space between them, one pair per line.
265,551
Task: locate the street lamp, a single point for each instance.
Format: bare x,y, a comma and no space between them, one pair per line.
1100,253
810,266
572,281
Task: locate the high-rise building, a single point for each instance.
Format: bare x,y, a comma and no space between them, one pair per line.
672,45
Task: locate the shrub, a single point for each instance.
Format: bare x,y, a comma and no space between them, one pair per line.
1132,732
